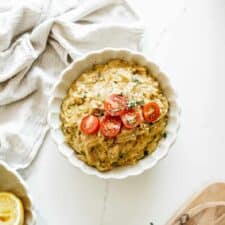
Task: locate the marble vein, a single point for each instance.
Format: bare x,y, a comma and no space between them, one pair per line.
105,199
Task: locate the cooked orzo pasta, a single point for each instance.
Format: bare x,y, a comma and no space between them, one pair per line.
114,114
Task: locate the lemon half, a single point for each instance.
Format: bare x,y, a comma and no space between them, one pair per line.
11,209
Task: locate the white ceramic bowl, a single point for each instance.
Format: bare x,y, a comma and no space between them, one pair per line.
11,181
72,72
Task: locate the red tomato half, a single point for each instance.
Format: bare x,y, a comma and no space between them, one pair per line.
89,124
131,118
151,111
110,126
115,105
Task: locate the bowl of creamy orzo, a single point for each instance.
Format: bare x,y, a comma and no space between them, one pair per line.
113,113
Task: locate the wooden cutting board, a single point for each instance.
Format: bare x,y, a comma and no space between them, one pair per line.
212,193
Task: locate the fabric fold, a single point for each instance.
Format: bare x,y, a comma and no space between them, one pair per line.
37,41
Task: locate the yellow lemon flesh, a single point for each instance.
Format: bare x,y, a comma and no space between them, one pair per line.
11,209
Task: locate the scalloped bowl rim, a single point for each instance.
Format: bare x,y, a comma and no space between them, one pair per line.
70,155
24,185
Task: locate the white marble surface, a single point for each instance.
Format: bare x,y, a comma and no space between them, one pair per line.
187,39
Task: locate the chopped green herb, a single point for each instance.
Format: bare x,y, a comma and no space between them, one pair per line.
134,79
145,152
151,223
115,81
142,102
165,135
98,95
121,155
131,104
134,103
84,96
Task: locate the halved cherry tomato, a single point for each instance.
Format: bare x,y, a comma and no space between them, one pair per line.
115,105
151,111
110,126
89,124
131,118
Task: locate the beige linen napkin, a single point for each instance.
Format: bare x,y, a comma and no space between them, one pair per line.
38,39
